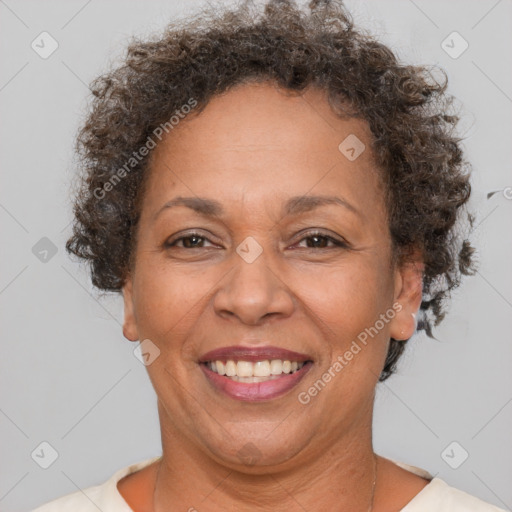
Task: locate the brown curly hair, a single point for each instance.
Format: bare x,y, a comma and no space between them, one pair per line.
407,108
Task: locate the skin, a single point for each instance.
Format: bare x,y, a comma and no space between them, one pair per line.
251,149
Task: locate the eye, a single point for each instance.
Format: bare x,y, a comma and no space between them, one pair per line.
319,240
313,240
189,241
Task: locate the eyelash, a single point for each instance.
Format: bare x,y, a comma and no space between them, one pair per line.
319,234
309,235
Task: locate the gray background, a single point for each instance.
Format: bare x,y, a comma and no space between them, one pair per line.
71,379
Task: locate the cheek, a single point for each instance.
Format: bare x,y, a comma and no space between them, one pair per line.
347,298
169,298
344,302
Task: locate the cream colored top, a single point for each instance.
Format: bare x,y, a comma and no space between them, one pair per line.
436,496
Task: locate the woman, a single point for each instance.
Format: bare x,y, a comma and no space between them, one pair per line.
279,201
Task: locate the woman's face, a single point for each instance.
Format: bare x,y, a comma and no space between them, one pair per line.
251,266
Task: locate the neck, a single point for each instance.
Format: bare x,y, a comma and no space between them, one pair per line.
340,477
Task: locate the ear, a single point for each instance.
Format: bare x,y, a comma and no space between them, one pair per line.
130,331
408,294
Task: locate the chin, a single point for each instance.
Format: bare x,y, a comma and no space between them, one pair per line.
253,452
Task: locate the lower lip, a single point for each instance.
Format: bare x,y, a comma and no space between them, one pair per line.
255,391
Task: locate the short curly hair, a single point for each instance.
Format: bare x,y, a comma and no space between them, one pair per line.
407,108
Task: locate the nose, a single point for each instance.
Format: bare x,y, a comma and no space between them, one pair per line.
253,292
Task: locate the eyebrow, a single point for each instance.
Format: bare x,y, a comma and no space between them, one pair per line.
302,204
294,205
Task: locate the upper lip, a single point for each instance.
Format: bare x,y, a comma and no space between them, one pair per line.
245,353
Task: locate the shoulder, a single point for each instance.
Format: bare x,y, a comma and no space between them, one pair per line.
440,496
104,497
81,501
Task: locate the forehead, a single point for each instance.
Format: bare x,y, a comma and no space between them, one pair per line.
260,142
259,115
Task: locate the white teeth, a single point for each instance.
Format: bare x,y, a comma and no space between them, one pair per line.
247,371
244,369
221,367
251,380
276,367
261,369
230,368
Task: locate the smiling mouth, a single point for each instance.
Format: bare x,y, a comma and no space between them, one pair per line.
254,371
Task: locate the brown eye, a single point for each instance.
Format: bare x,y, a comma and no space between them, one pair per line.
190,241
317,241
321,241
